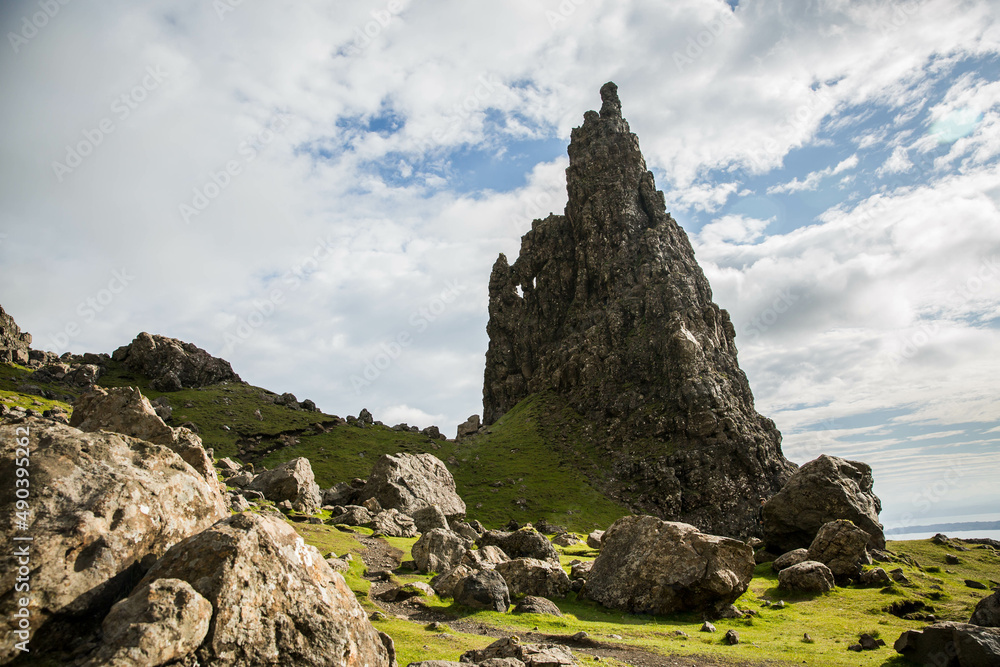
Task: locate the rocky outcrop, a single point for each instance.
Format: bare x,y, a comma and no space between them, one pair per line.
649,566
523,543
439,550
172,365
467,428
292,481
951,645
125,410
607,307
161,621
807,577
841,546
484,589
823,490
411,482
104,507
275,598
14,344
987,612
529,576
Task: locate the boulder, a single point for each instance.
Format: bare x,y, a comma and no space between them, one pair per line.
594,539
650,566
841,546
411,482
171,364
467,428
276,601
343,493
951,645
523,543
430,517
464,529
581,570
159,622
565,540
531,604
125,410
15,345
807,577
392,523
532,655
483,589
793,557
529,576
484,558
104,506
444,584
352,515
292,481
823,490
875,577
987,612
439,550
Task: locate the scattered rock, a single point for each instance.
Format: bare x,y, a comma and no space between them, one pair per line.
876,577
823,490
651,566
987,612
594,539
951,559
444,584
407,591
486,557
529,576
841,546
807,577
410,482
581,570
790,558
483,589
352,515
430,517
439,550
706,627
565,540
951,644
467,428
523,543
531,655
392,523
977,585
532,604
292,481
869,643
732,637
172,365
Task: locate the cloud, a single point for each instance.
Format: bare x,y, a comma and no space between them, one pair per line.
813,179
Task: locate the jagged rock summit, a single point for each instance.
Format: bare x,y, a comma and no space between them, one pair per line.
607,307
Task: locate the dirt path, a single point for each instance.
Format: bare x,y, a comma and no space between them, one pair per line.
380,557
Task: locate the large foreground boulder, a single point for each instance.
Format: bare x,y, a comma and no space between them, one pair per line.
172,365
650,566
523,543
951,645
439,550
292,481
104,506
841,546
987,612
411,482
276,601
125,410
823,490
529,576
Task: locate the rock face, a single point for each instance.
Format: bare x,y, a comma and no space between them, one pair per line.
292,481
987,612
808,576
523,543
159,622
125,410
841,546
649,566
172,365
104,507
951,645
823,490
14,343
276,600
439,550
607,307
411,482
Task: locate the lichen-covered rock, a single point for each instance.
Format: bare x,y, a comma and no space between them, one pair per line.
276,601
292,481
594,539
581,570
104,506
790,558
444,584
565,540
430,517
159,622
484,558
842,547
392,523
951,645
171,364
823,490
875,577
987,612
532,604
650,566
529,576
439,550
808,577
532,655
523,543
411,482
483,589
125,410
352,515
607,307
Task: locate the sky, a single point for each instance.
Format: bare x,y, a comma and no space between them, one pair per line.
316,192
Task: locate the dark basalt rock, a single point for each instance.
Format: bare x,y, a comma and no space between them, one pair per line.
607,307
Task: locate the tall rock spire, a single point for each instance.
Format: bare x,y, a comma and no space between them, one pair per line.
615,315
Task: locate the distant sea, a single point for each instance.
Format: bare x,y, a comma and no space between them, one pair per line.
959,534
957,529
